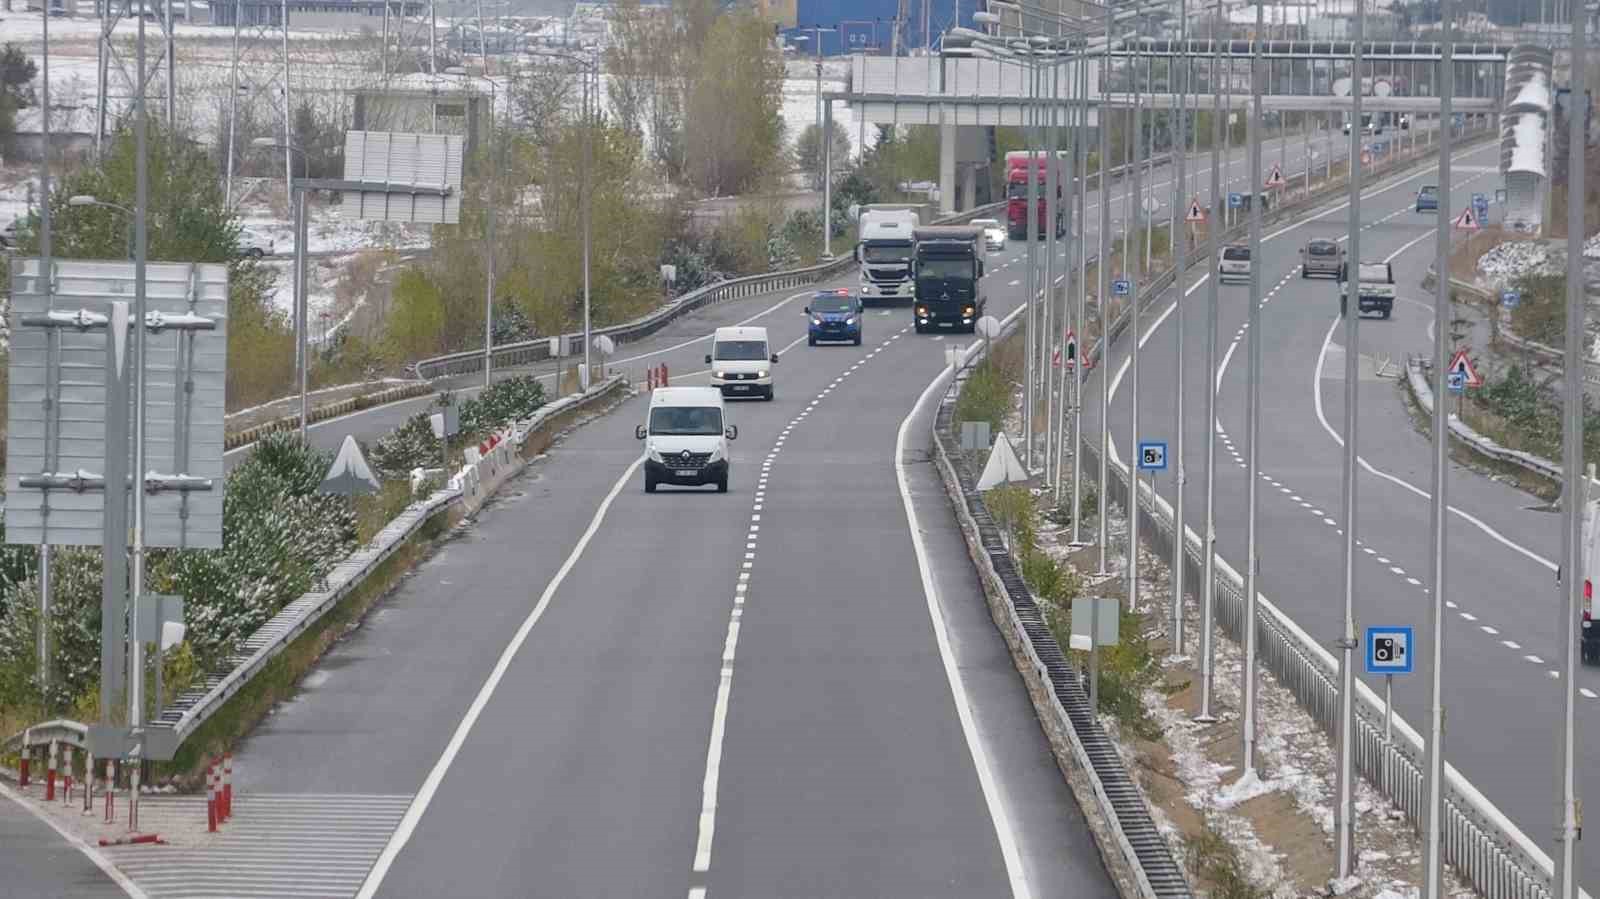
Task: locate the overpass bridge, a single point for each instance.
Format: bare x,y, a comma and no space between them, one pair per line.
964,93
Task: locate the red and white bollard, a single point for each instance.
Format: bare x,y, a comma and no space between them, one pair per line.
111,793
211,799
50,775
66,778
88,781
22,767
227,785
650,377
663,378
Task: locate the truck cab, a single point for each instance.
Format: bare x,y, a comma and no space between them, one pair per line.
1018,163
947,267
884,252
1374,288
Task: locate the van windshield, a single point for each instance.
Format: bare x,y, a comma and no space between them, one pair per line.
740,351
686,421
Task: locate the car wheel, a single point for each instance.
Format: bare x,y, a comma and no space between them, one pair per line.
1303,273
1386,314
858,340
811,341
722,483
649,484
254,253
771,393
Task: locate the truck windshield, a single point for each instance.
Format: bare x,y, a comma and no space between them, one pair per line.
740,350
686,421
944,268
886,252
1018,190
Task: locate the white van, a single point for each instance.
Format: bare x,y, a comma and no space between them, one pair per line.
686,438
741,362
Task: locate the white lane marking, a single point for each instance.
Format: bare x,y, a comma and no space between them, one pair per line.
1510,644
1487,629
1413,582
93,854
1316,393
419,805
998,813
1534,659
1469,616
1588,693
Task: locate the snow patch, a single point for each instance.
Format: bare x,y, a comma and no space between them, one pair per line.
1527,148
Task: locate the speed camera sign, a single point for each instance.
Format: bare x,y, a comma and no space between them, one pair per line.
1389,650
1152,455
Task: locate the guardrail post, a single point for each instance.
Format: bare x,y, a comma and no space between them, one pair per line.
66,778
50,775
22,766
111,793
88,781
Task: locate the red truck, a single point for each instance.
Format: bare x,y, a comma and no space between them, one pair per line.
1017,192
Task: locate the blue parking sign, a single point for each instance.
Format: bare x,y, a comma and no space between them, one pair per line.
1389,650
1510,299
1235,201
1121,287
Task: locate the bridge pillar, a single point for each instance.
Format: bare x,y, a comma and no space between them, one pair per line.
947,169
969,188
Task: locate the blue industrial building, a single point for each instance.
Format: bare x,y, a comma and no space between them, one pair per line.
868,25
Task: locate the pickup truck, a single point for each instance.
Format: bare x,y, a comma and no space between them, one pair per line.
1374,288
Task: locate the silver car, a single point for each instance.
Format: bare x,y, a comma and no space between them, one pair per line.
1233,263
1321,256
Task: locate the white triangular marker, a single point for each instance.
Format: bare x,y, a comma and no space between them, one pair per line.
1003,467
351,466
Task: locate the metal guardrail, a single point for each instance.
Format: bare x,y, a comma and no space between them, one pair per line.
1484,846
1157,874
527,352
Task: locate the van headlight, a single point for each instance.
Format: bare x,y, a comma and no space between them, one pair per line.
762,373
652,454
720,374
850,321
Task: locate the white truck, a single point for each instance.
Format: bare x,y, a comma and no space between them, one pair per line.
1374,288
884,251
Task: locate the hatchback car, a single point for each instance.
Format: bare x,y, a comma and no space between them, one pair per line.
994,233
255,244
1320,256
834,315
1234,263
1428,198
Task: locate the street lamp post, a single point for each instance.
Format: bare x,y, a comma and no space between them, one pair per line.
85,200
488,292
817,31
302,356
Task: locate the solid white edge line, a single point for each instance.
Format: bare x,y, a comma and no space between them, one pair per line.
94,855
419,804
998,814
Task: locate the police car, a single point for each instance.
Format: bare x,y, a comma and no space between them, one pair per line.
834,315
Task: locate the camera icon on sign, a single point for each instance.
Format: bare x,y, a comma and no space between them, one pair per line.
1387,649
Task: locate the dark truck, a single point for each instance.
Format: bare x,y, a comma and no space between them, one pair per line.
947,268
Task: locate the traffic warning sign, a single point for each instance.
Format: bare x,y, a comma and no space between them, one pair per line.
1461,365
1275,179
1196,214
1467,220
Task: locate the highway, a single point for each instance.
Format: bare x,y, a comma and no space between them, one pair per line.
574,696
1501,693
41,863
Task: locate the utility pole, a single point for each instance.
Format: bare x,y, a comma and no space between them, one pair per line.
141,252
1344,840
1030,331
1137,167
1103,269
46,265
1180,250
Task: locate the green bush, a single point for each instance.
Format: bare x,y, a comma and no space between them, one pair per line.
503,402
412,445
986,396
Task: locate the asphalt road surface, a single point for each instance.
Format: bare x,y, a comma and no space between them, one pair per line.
1501,685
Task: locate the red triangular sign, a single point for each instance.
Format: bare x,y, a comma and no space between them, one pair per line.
1072,346
1467,220
1276,178
1196,214
1460,364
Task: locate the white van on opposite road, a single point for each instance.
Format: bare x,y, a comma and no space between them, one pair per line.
686,438
741,362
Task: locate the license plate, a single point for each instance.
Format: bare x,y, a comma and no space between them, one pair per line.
741,387
686,472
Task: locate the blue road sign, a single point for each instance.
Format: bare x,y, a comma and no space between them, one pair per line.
1152,455
1456,381
1389,650
1235,201
1480,200
1510,299
1121,287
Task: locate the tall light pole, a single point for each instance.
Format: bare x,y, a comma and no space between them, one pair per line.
1571,601
47,266
1344,780
817,31
302,353
493,203
591,62
1103,270
1208,571
1136,165
1180,252
1253,413
141,205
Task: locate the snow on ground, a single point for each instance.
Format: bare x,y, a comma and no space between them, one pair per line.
1503,263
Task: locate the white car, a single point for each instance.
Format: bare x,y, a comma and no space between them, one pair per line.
1233,264
741,362
255,244
994,233
686,438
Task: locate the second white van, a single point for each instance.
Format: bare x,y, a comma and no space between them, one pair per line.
741,362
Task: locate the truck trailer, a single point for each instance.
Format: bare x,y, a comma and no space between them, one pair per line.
1017,166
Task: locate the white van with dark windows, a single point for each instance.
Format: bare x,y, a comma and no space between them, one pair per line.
686,438
741,362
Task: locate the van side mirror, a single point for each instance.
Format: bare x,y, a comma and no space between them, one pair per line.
774,358
807,310
639,432
708,358
731,432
